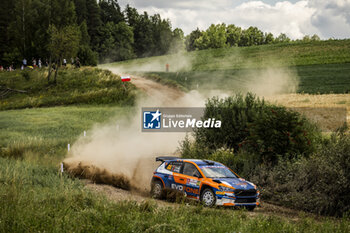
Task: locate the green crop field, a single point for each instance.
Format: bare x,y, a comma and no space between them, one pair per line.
320,67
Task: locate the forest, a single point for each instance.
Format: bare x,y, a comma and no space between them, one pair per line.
101,31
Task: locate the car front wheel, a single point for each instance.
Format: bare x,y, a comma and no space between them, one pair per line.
208,197
157,189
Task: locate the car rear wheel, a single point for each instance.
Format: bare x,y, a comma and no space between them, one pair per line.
157,189
208,197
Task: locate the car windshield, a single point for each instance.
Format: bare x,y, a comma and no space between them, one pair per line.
217,172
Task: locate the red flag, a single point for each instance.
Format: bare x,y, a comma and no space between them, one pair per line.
126,79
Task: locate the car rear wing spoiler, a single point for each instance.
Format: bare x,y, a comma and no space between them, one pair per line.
165,158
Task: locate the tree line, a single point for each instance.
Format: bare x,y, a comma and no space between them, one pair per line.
100,31
93,31
222,35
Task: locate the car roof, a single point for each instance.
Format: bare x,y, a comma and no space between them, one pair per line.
199,162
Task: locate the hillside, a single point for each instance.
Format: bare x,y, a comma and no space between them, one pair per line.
318,67
29,88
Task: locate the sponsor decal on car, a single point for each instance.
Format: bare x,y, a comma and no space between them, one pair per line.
177,187
192,190
192,182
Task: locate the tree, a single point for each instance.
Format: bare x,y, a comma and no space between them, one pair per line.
85,53
64,43
315,38
191,38
306,38
110,11
282,38
162,35
177,42
6,16
252,36
143,36
268,38
233,35
118,42
213,37
94,23
81,10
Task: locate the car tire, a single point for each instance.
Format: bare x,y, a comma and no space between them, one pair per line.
208,197
157,189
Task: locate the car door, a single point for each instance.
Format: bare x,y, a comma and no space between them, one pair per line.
176,181
193,180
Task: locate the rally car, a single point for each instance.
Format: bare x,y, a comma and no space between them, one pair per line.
207,181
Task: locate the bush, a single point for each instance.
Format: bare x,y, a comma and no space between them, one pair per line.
319,184
249,124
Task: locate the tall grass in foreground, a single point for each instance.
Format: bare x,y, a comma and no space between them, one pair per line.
37,198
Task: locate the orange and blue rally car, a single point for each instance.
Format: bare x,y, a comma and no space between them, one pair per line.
207,181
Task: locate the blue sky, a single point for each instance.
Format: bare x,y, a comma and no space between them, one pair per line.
296,18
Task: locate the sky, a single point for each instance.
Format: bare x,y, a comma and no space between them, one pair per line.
296,18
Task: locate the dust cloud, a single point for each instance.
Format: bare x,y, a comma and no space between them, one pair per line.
177,62
118,153
272,81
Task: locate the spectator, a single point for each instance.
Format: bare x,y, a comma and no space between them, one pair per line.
39,63
64,62
72,61
1,68
25,62
34,62
46,63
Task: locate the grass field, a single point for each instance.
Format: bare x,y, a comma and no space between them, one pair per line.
38,199
45,132
319,67
74,86
35,197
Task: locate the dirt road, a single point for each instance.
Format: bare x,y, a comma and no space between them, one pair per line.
154,90
267,209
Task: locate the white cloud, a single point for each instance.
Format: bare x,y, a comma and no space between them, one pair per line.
332,18
296,19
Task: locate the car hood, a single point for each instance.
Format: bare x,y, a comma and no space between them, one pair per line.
237,183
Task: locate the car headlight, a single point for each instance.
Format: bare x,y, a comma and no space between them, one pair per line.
226,189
